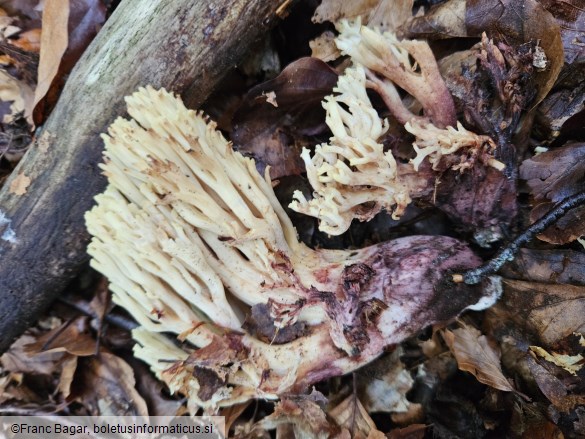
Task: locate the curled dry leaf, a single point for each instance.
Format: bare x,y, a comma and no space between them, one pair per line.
552,176
54,41
307,418
571,363
275,136
334,10
18,359
475,354
354,419
71,337
19,185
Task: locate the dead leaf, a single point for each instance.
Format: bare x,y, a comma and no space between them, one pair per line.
107,387
517,22
351,415
17,359
475,354
549,312
552,176
275,136
414,431
68,370
71,337
445,20
547,266
334,10
390,15
54,40
383,384
324,48
570,15
571,363
307,419
20,184
552,387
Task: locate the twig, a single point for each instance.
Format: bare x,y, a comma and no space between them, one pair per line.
508,253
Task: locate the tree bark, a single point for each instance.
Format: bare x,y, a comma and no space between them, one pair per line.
184,46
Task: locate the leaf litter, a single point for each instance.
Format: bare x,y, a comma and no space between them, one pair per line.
458,384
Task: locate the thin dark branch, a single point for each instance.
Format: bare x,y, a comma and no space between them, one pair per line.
508,253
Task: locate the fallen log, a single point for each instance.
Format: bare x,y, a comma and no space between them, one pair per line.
181,45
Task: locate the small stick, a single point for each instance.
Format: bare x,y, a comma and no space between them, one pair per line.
508,253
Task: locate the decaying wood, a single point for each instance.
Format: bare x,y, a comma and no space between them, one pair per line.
181,45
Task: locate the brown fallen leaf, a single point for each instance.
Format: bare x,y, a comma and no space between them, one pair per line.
511,22
552,387
570,14
306,416
17,359
571,363
548,312
71,337
334,10
106,387
552,176
475,354
323,47
20,184
352,416
275,136
54,41
547,266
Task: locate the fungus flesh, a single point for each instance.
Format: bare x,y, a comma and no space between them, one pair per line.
231,305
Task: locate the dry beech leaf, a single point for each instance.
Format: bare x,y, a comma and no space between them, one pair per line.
324,48
54,40
571,16
108,387
571,363
67,375
552,387
352,416
334,10
516,22
445,20
307,418
17,359
70,337
547,266
549,312
552,176
474,354
20,184
275,136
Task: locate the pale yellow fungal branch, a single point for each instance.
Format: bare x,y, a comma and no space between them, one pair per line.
352,176
408,64
440,145
231,305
